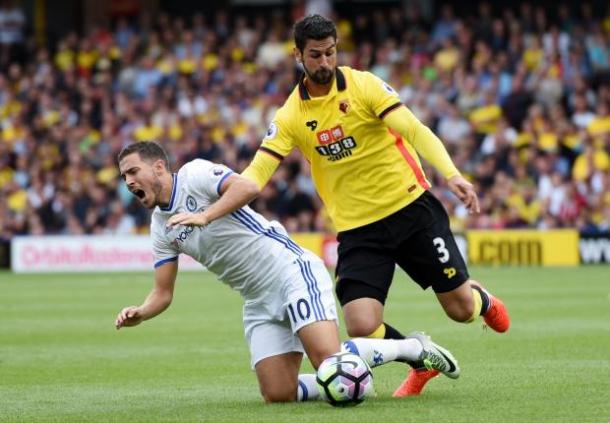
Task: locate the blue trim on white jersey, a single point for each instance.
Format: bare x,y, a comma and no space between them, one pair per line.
316,288
173,196
312,298
167,260
273,233
258,229
219,186
287,239
251,223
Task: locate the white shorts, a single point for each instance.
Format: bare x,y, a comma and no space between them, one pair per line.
302,294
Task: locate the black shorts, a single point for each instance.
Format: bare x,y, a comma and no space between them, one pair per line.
417,238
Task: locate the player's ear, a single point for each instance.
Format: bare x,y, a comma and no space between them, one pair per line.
297,55
159,167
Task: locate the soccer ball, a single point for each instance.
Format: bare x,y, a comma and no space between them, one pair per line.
344,379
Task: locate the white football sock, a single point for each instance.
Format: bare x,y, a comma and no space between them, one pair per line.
380,351
308,388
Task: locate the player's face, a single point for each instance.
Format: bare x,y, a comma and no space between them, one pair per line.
142,179
319,60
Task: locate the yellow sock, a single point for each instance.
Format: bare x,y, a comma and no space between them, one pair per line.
478,304
378,333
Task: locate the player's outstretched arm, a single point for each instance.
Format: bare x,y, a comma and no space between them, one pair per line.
157,301
431,148
236,192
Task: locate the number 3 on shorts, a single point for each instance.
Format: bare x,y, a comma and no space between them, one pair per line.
302,312
443,253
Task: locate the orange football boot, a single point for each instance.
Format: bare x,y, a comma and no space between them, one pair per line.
415,382
496,317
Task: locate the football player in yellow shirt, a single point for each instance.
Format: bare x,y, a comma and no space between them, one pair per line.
364,145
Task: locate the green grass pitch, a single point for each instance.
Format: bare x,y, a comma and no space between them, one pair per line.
61,360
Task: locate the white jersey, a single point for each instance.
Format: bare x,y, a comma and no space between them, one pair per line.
243,248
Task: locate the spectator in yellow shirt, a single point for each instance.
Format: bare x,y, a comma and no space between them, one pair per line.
599,126
148,130
592,159
485,118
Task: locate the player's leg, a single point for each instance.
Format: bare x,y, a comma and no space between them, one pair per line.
470,300
365,269
432,258
276,356
417,347
363,307
364,275
278,376
320,340
276,353
418,254
419,257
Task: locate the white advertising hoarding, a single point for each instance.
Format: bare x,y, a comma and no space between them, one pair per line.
86,253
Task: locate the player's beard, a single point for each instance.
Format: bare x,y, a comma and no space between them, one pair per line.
322,76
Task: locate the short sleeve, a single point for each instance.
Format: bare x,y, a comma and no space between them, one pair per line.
278,140
163,250
207,178
381,96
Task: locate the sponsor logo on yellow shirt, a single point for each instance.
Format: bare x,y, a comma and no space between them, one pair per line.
334,144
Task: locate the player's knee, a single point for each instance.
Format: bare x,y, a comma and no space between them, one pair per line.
317,357
280,394
462,316
458,304
361,327
460,311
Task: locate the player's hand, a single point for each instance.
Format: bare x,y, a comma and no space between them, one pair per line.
129,316
465,192
188,219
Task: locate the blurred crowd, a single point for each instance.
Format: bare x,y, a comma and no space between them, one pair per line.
520,96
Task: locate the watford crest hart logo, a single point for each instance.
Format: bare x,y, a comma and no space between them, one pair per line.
344,106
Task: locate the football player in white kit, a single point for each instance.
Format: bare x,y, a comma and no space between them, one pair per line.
289,307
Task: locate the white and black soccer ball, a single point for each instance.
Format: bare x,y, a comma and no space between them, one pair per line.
344,379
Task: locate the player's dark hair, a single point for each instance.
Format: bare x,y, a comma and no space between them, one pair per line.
149,151
313,27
